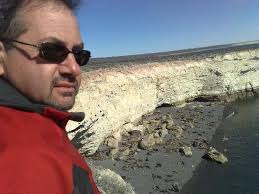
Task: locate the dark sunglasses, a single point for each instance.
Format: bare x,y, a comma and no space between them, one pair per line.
56,53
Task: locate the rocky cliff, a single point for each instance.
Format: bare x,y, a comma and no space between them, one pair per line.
119,91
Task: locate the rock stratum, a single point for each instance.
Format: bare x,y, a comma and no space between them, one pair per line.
118,91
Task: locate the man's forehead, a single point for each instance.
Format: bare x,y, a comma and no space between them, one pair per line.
59,26
60,40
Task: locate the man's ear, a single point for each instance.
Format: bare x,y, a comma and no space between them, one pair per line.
2,59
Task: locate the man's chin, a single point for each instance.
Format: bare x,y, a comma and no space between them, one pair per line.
64,104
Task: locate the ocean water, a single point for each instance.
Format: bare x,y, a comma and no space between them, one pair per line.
238,138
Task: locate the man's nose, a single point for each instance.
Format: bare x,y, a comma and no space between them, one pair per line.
70,66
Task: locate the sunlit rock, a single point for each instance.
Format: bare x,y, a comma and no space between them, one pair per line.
215,155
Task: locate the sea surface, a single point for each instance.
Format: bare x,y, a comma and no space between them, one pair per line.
238,138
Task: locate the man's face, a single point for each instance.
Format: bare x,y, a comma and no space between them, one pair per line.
45,82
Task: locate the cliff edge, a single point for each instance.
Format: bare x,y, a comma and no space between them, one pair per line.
118,91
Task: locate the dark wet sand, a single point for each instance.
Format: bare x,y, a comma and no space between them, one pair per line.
164,169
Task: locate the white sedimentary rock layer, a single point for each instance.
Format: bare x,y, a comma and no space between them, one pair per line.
120,96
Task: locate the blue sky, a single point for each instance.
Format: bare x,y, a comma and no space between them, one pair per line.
125,27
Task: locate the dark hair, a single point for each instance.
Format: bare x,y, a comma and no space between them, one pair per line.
11,26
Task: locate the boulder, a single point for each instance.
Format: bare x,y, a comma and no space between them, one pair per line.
170,123
127,127
163,133
176,130
147,142
114,151
215,155
158,139
110,182
186,150
135,135
112,142
123,154
153,125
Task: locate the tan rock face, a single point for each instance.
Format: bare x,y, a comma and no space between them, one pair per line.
115,97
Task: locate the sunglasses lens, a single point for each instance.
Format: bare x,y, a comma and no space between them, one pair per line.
53,52
58,53
82,57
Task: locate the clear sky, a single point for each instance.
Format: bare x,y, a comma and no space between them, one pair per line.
125,27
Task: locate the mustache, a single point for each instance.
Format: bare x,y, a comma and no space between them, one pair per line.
67,79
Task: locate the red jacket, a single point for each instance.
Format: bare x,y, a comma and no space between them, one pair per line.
36,156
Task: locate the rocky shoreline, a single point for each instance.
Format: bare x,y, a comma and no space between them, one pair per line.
114,96
158,153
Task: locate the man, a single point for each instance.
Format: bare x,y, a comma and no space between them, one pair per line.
40,57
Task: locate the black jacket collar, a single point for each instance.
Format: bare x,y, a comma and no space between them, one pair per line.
11,97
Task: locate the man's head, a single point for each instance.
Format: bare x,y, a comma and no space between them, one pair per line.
36,22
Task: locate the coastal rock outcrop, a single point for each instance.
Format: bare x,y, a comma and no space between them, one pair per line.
114,97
